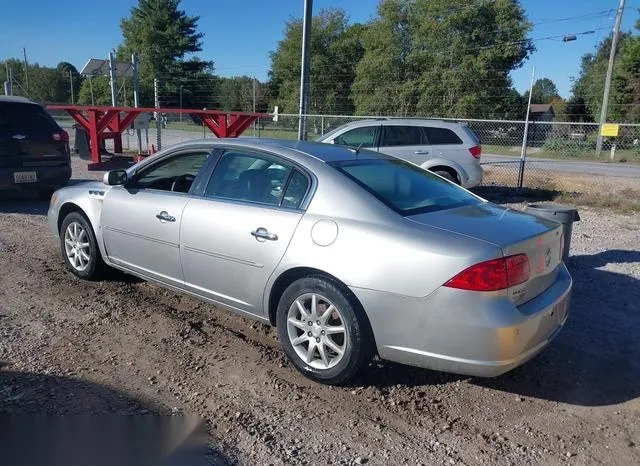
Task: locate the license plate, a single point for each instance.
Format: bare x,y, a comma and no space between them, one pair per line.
25,177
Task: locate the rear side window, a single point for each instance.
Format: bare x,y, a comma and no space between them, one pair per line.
439,136
295,190
474,137
404,187
17,115
402,136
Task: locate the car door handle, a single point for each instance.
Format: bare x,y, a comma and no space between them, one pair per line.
421,152
165,217
19,137
263,234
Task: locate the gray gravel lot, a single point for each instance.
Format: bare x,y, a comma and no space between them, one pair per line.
125,346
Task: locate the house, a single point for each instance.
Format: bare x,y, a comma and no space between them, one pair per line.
540,116
541,112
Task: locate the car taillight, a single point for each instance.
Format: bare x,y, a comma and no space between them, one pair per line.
61,136
493,275
561,246
476,151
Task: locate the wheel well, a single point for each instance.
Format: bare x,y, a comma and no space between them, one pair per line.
444,168
66,209
291,275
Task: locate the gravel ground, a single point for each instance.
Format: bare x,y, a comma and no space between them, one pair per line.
126,346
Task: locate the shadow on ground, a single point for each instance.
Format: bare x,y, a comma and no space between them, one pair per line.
27,202
63,421
506,195
595,359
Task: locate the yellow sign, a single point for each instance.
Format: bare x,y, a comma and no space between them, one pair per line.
610,129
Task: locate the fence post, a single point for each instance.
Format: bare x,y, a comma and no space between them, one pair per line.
157,104
523,151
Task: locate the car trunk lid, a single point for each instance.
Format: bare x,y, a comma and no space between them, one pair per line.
515,233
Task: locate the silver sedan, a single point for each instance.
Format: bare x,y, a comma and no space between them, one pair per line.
349,253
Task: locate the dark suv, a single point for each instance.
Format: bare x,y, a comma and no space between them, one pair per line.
34,149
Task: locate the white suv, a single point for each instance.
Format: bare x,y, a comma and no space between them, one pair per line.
447,148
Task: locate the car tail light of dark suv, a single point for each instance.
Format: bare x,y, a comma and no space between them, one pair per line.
476,151
60,136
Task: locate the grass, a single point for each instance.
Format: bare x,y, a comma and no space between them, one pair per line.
579,190
621,155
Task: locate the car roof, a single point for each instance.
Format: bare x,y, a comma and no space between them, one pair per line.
16,99
291,148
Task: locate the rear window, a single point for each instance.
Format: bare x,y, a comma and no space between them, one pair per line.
404,187
18,115
441,136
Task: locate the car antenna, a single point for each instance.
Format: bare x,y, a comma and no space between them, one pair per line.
357,149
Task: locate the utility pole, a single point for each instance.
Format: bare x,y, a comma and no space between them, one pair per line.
26,70
607,82
523,150
304,72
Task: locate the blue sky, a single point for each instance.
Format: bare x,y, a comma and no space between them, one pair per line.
239,35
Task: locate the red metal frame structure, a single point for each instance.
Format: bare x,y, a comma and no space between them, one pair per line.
109,123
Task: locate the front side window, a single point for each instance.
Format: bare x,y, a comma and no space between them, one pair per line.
257,178
441,136
175,173
402,136
358,137
404,187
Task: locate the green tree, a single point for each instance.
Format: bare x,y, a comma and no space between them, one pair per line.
438,58
386,78
544,91
45,85
95,91
163,36
335,50
624,97
236,93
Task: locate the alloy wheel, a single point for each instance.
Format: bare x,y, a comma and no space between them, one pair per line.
317,331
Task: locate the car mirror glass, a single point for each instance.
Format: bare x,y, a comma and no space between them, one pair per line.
115,178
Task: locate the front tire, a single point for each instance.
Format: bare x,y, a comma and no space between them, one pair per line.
80,248
321,332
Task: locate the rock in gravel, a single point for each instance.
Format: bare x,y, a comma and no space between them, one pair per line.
569,454
361,460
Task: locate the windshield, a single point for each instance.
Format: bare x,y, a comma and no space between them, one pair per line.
404,187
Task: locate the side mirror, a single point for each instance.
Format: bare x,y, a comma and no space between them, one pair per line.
115,178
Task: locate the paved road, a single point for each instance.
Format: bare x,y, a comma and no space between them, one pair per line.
626,170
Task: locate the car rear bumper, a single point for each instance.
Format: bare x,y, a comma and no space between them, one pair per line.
47,177
473,175
453,331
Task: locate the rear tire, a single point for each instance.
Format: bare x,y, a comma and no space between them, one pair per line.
80,248
322,333
446,175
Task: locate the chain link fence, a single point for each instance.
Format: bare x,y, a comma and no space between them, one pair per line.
553,149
